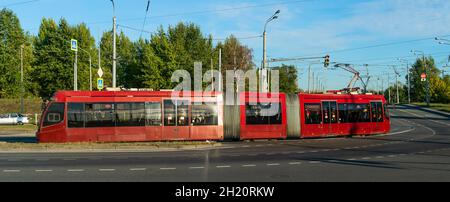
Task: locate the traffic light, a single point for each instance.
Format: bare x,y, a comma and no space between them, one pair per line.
327,61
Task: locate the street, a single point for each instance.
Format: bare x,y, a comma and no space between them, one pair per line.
417,149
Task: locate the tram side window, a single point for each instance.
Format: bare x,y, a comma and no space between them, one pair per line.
313,114
386,112
54,115
358,113
377,111
75,115
169,113
100,115
130,114
153,113
205,114
263,114
343,113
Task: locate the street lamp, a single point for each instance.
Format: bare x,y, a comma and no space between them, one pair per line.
442,41
408,73
264,72
416,52
114,46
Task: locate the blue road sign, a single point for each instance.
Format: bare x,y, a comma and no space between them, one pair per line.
74,45
100,83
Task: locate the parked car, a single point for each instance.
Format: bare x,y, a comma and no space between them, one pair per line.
13,119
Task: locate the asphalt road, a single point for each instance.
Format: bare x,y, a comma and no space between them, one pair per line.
418,149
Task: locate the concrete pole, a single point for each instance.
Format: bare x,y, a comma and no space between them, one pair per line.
220,70
114,72
409,83
428,81
264,70
21,80
396,83
75,72
90,73
309,79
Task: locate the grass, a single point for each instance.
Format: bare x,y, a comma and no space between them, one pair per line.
436,106
68,147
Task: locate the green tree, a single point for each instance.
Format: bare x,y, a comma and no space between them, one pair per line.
54,60
12,37
418,87
288,79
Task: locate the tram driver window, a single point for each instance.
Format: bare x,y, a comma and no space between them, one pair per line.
55,114
313,114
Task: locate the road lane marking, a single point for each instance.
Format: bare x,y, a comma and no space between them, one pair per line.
223,166
11,171
138,169
250,165
273,164
295,163
43,170
366,158
167,168
75,170
106,170
314,162
351,159
194,168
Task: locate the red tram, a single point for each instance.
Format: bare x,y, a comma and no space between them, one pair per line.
127,116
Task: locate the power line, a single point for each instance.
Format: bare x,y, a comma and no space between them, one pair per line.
135,29
239,38
19,3
145,19
211,11
375,46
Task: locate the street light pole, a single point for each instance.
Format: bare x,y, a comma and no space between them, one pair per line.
114,72
408,74
90,68
21,80
264,72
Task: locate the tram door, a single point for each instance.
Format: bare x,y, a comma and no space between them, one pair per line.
330,118
176,120
377,117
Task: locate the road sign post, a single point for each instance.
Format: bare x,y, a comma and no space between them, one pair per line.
74,47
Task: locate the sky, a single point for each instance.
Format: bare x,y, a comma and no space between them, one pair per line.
373,32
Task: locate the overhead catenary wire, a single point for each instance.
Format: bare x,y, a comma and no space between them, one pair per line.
19,3
211,11
145,19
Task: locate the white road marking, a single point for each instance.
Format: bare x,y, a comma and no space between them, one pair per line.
167,168
223,166
75,170
107,170
138,169
248,165
366,158
43,170
380,157
273,164
11,171
196,167
351,159
295,163
314,162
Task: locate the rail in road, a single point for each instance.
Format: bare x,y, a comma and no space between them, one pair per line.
417,149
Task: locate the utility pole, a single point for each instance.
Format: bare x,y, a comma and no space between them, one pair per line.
309,79
22,89
264,72
114,72
75,72
397,74
428,80
389,88
220,69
